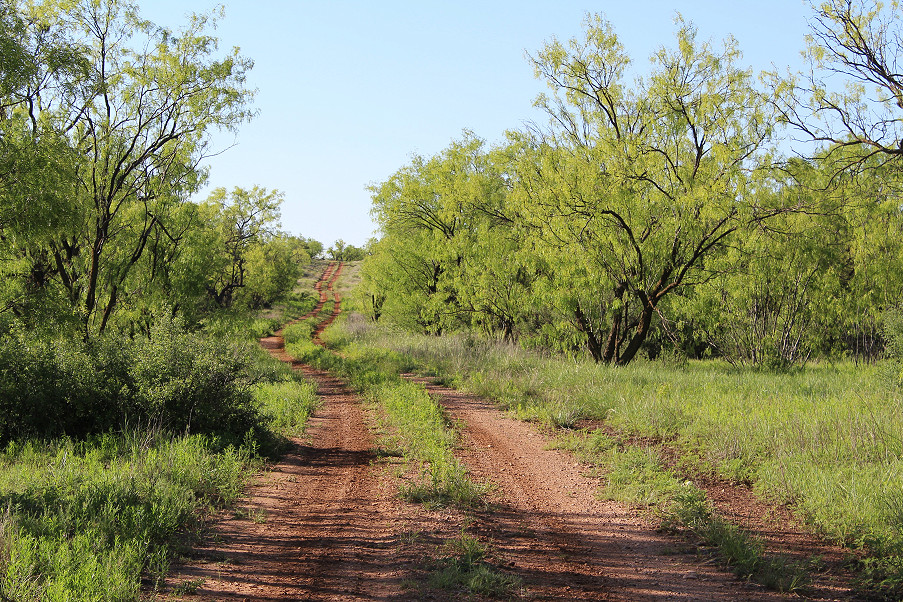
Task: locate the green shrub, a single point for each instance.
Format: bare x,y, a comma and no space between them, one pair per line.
55,387
187,383
175,379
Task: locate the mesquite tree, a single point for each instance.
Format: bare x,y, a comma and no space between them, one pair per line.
633,187
850,100
137,122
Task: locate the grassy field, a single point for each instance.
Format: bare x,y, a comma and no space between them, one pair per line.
826,440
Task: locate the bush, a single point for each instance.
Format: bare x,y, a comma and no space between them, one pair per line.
893,334
187,383
173,378
50,388
87,520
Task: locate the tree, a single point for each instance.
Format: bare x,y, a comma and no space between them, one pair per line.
631,190
340,251
439,217
314,247
860,43
234,227
139,124
849,103
37,162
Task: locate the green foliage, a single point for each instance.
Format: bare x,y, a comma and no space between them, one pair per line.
446,260
234,255
131,106
823,439
85,521
856,109
893,332
340,251
174,379
49,388
625,195
88,519
188,383
652,215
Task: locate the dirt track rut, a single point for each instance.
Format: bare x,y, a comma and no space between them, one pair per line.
564,542
327,524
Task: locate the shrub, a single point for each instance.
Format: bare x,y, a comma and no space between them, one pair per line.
893,334
172,378
188,383
49,388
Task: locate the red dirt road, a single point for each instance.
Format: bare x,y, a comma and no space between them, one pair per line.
330,526
324,524
563,542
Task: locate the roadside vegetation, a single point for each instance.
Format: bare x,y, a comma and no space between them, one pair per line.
181,424
824,439
134,399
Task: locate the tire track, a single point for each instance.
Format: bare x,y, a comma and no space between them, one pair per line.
557,536
324,523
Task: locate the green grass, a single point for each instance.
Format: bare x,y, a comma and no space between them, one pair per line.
464,567
83,520
416,423
287,405
421,430
826,439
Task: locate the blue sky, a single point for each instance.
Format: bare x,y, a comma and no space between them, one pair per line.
348,91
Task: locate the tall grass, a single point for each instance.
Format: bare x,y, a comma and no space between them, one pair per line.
287,405
826,439
83,520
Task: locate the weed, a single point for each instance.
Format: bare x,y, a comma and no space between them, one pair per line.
464,566
189,587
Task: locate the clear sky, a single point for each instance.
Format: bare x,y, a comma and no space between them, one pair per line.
348,91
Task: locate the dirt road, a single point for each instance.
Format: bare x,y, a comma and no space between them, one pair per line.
326,523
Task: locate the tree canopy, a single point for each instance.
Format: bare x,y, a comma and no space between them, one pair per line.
106,121
653,210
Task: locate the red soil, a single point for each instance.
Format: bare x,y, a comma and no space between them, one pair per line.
331,526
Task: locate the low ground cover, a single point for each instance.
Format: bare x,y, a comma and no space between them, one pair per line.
824,439
114,453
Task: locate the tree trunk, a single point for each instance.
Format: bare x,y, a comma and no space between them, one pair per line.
592,342
639,336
